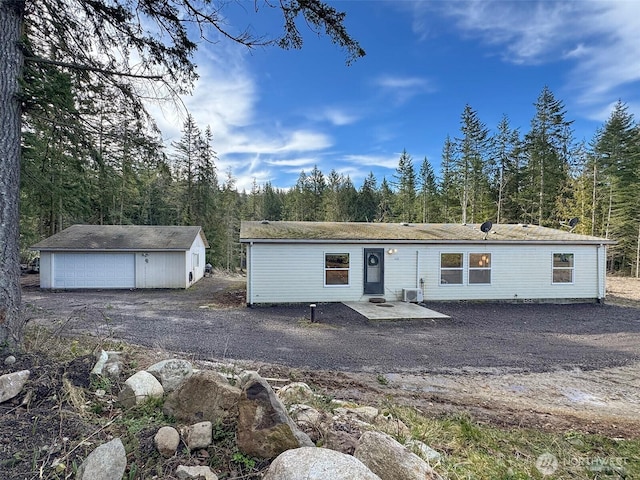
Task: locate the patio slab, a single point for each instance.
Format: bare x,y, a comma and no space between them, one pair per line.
394,311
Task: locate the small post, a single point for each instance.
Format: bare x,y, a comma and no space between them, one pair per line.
313,312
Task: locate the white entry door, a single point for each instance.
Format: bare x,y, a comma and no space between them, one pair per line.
94,270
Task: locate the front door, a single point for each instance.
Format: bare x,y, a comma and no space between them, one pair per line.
374,271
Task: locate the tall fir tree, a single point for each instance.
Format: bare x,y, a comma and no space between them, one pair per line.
405,189
548,148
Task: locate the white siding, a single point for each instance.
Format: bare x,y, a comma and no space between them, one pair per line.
195,260
46,271
282,273
517,273
160,270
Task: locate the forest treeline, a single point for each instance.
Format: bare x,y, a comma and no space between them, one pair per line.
88,157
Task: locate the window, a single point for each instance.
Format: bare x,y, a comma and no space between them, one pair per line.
451,265
563,268
479,268
336,269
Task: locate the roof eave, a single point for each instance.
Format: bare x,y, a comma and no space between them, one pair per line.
429,242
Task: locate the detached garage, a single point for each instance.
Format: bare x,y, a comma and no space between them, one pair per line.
122,256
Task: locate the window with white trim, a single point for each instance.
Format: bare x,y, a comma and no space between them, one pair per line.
479,268
336,269
563,267
451,266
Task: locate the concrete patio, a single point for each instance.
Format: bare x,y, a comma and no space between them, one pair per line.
393,311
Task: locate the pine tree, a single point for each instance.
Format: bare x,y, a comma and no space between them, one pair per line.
405,195
449,186
470,167
548,147
185,158
272,203
505,172
618,153
386,200
367,201
428,192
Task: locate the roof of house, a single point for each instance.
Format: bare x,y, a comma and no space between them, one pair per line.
316,232
122,237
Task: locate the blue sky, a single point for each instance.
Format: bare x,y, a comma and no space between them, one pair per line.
274,112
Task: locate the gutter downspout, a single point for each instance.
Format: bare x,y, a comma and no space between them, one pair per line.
250,273
599,273
417,268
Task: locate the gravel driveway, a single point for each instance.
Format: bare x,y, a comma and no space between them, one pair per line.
479,337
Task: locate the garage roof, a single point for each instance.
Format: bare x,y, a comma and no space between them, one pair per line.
122,237
268,231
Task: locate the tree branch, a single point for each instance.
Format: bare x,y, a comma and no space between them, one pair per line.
89,68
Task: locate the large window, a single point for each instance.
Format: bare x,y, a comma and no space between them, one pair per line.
451,265
479,268
563,268
336,269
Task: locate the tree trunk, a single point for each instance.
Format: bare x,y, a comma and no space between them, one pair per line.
12,319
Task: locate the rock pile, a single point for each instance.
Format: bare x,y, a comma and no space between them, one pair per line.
350,442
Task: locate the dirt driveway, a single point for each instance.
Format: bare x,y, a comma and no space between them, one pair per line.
561,365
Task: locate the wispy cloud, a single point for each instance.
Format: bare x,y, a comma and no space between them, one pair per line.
385,161
335,116
599,38
403,88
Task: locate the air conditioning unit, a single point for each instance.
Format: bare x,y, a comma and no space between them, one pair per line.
412,295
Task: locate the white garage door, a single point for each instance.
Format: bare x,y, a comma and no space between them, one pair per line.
94,270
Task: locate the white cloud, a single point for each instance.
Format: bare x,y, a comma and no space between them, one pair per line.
385,161
403,88
335,116
600,39
293,162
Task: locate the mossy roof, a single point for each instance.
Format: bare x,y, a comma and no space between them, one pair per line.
271,231
122,237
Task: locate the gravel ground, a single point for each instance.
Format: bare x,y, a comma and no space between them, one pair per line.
479,337
553,367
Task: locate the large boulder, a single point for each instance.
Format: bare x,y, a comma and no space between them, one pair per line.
264,428
107,462
11,384
390,460
205,396
310,463
171,373
139,388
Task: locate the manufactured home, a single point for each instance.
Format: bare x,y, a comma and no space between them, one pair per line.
290,262
122,256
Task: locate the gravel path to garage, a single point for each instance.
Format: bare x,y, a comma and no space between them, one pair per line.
479,337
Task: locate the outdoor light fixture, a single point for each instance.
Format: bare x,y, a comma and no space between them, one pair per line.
391,251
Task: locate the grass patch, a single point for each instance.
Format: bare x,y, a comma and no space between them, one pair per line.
471,450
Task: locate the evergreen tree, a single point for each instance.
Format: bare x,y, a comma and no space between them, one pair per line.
618,153
405,183
187,150
547,151
386,200
428,192
449,187
367,201
272,203
505,172
470,167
